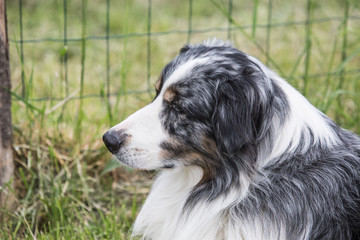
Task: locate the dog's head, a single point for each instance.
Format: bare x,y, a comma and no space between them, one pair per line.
212,104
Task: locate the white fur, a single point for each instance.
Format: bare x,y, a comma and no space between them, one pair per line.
162,216
303,116
144,127
146,133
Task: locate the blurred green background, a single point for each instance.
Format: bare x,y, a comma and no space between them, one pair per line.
79,67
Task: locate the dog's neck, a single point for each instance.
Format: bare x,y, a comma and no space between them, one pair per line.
162,216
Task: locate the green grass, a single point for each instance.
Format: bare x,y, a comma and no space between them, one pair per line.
65,185
64,198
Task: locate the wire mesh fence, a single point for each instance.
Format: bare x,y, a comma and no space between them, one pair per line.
65,51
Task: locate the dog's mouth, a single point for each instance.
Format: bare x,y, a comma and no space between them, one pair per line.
168,166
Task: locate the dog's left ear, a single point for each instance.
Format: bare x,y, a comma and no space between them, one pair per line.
242,107
185,48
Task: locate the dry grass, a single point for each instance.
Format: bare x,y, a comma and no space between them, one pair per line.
61,191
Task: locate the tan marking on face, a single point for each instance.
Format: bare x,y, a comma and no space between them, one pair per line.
209,145
189,157
169,95
209,165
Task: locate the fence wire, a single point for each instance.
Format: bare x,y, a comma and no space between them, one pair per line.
230,29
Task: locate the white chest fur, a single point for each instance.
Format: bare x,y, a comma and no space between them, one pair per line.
162,216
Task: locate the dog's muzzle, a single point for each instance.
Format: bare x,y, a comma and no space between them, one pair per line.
114,140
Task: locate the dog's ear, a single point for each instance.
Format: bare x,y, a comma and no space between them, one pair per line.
242,107
185,48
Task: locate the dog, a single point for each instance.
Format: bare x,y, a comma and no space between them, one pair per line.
242,155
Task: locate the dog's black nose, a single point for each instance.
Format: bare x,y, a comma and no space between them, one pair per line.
113,141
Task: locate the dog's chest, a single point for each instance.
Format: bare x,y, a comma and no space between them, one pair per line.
162,216
206,222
